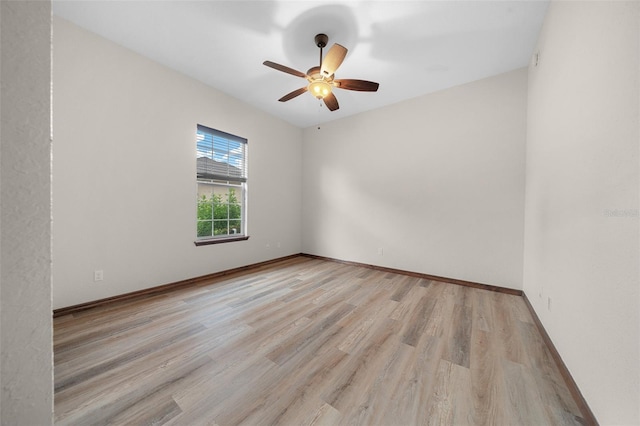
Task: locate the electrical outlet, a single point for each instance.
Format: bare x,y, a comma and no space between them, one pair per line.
268,245
278,244
380,251
549,303
98,275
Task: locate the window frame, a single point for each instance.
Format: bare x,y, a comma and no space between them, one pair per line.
210,173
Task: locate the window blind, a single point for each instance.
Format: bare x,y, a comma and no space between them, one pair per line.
220,155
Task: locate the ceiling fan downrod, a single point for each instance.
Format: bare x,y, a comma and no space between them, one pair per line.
321,41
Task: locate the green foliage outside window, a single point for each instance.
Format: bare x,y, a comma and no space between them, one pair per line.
218,215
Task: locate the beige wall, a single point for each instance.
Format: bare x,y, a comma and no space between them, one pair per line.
436,182
581,227
26,362
124,166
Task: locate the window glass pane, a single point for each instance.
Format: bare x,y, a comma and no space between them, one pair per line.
205,228
235,227
220,149
221,211
205,201
235,211
220,227
203,145
233,196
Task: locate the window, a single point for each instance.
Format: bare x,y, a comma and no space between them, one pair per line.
222,186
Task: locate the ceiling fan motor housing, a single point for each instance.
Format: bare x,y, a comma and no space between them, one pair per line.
321,40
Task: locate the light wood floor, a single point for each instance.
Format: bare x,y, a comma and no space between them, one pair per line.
308,341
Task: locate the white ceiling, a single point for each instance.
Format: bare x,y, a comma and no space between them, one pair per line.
410,47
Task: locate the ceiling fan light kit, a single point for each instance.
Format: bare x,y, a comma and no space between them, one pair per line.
319,88
321,78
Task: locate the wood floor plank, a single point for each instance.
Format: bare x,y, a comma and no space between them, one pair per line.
403,288
413,391
524,401
418,320
440,319
238,381
298,392
325,415
128,357
155,364
487,384
135,397
346,391
488,390
381,397
557,398
459,341
310,337
512,347
309,342
408,304
164,409
451,403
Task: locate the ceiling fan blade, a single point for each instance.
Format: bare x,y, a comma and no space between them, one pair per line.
293,94
331,102
284,69
359,85
332,60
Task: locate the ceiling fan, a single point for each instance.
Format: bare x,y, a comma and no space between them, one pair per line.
321,79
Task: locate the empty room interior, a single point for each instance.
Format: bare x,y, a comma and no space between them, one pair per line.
443,230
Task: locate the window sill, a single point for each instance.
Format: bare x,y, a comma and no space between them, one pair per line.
220,240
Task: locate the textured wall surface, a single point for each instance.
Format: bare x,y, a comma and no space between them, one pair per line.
25,215
436,182
582,182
